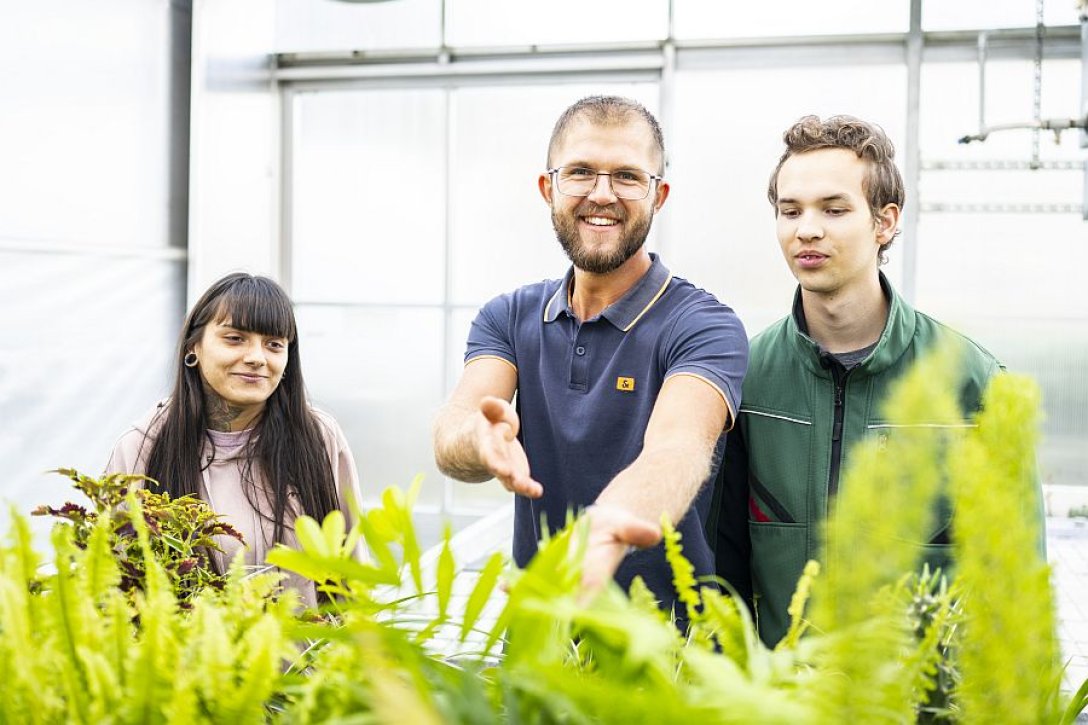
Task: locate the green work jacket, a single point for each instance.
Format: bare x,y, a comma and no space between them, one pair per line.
800,416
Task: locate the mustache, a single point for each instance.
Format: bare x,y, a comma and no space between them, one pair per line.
588,208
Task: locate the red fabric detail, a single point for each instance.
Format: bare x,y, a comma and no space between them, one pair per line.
755,511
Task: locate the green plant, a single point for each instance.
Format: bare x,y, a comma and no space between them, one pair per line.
181,532
934,613
80,645
876,643
1008,653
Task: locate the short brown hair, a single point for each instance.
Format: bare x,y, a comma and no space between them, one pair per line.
883,184
607,110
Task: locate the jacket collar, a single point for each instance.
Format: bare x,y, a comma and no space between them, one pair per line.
628,309
894,339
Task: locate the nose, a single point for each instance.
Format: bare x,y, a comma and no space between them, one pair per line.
255,355
602,193
808,227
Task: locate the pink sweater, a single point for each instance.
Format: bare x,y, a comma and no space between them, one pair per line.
222,488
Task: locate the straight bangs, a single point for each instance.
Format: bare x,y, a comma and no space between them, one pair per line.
257,305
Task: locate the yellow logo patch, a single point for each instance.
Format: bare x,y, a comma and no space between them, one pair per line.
625,384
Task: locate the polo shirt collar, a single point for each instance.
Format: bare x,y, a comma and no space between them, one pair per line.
628,309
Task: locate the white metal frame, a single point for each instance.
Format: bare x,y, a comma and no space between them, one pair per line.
449,68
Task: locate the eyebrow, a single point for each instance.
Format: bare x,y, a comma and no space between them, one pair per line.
831,198
594,167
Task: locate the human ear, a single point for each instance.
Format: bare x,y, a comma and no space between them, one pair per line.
660,195
887,222
544,183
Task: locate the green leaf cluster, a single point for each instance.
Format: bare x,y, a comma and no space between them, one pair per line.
116,633
181,532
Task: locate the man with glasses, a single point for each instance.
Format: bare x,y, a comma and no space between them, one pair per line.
627,378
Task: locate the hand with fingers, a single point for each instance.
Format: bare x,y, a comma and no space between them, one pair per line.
500,450
613,532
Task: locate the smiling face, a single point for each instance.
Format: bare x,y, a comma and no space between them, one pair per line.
599,231
240,368
827,232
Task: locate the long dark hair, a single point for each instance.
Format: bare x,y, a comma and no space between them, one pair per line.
286,449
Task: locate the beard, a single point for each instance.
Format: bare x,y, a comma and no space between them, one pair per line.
599,261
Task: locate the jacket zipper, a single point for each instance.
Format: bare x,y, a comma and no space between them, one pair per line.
839,373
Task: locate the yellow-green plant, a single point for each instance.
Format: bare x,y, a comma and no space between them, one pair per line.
75,646
873,536
1008,651
879,643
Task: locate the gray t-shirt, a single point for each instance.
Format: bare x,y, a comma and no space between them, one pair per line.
853,358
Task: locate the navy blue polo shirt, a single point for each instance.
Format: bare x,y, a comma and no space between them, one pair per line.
586,389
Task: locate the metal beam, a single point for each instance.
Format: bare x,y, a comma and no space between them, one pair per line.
1060,42
999,208
912,157
93,249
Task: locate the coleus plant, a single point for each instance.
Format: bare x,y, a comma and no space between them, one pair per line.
181,532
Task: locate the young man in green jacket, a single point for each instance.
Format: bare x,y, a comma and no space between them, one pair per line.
816,379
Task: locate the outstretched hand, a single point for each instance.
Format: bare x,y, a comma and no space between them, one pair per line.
612,532
499,448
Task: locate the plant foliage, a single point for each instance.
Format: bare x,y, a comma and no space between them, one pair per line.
119,630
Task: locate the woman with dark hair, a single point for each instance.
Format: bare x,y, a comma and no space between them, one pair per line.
238,431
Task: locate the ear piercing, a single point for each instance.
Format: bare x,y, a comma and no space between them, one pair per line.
190,360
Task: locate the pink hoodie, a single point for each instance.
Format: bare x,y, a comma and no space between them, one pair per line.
222,488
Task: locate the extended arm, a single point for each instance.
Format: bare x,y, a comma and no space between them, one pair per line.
475,433
687,420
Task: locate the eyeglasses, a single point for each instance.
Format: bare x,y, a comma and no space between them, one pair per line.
631,184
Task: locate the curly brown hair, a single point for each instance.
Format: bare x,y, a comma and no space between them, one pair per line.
883,184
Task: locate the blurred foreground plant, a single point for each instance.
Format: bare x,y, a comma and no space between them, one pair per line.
398,642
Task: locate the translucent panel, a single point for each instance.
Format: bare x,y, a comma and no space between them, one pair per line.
1002,264
368,197
500,227
234,149
694,19
1054,351
87,354
950,244
1007,278
500,22
320,25
983,14
1007,187
460,321
949,110
469,496
719,229
379,373
84,131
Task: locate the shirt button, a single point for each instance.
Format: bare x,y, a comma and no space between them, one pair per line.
579,350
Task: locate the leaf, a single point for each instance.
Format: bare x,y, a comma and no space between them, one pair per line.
485,585
310,536
378,544
412,552
320,569
444,573
332,528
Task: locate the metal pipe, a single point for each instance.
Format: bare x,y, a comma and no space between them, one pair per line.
1084,94
1084,77
982,42
1057,125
